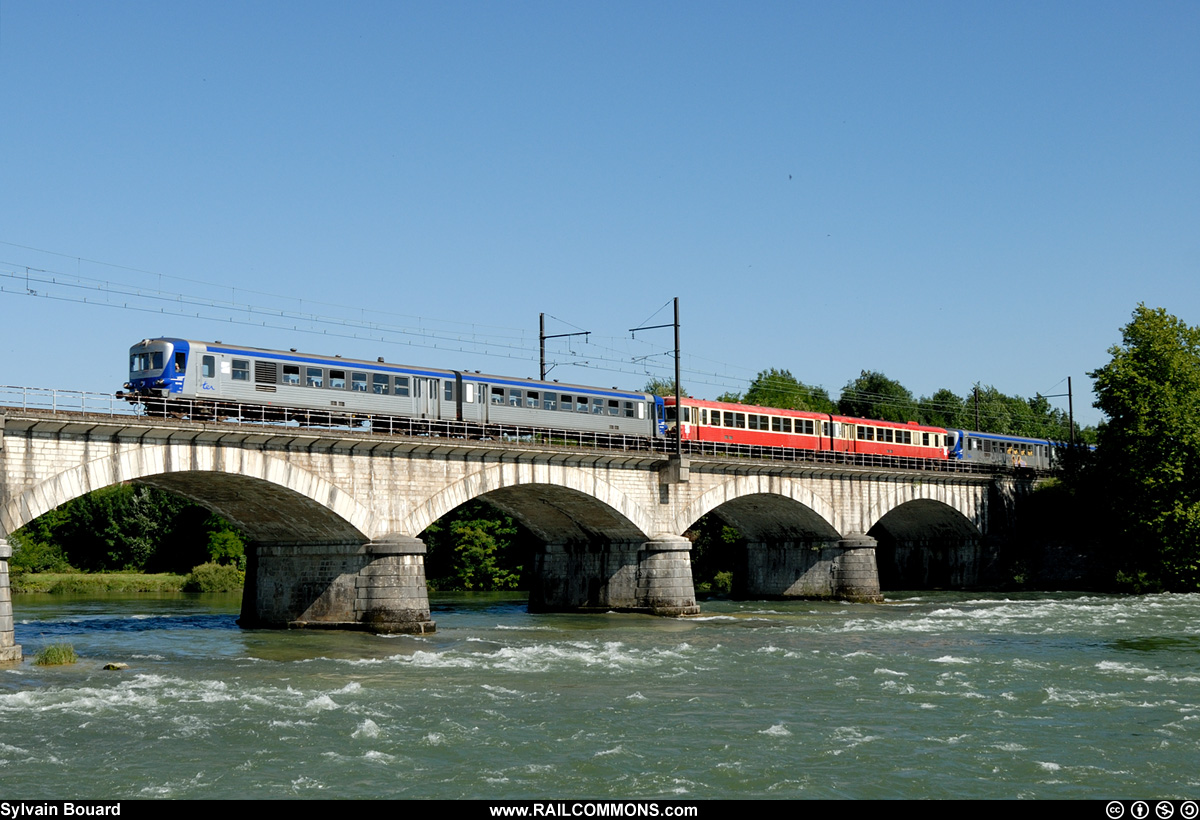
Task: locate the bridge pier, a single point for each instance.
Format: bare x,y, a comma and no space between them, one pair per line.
378,586
10,650
841,569
654,577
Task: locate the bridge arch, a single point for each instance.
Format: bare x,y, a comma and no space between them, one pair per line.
926,543
559,503
765,507
270,498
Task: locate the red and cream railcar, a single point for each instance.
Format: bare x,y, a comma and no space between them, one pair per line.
772,427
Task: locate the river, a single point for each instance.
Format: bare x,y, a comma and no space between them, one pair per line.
930,695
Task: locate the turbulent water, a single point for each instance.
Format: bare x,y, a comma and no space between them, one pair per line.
931,695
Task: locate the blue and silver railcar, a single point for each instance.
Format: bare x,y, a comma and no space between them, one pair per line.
179,369
995,449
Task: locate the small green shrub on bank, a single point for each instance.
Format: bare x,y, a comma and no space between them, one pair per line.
55,654
91,583
214,578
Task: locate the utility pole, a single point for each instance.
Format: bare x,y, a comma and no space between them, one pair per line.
542,337
678,382
1070,410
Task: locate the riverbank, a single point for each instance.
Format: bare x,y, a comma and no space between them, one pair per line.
204,578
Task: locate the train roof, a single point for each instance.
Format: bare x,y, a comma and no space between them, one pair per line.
1005,437
390,367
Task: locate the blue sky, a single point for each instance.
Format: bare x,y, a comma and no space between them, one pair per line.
948,193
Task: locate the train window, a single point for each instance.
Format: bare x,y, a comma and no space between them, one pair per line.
449,391
565,402
337,379
641,409
141,362
379,384
180,362
776,424
549,401
469,391
726,418
497,395
581,404
987,446
400,383
739,421
614,407
597,407
241,370
314,376
358,382
628,409
752,421
809,427
291,374
514,397
924,439
908,436
532,399
888,434
208,367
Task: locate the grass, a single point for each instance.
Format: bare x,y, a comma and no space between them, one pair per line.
86,583
55,654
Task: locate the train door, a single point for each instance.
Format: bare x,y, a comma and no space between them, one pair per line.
210,375
425,397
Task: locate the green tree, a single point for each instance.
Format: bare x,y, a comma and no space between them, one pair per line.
1149,448
662,387
476,546
779,388
121,527
874,396
945,408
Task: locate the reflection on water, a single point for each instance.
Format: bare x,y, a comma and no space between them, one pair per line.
928,695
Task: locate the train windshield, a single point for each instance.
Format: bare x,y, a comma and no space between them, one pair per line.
145,360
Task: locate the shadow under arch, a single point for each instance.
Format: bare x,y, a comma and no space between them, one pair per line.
786,548
927,544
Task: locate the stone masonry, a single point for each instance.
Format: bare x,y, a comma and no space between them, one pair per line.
334,515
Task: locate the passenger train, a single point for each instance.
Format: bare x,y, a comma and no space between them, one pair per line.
179,375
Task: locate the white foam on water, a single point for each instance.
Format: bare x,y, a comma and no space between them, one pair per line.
778,730
368,728
321,703
953,659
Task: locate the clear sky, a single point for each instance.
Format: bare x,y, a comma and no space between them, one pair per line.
948,193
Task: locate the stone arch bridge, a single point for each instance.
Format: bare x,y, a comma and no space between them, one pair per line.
334,515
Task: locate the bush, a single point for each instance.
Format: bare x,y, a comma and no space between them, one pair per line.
55,654
214,578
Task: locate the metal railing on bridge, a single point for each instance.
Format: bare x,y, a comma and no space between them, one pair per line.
45,400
